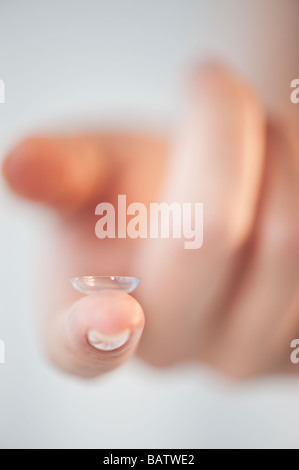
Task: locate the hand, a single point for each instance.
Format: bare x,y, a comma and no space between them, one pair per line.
233,303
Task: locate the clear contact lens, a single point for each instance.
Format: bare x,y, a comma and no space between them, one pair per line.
110,284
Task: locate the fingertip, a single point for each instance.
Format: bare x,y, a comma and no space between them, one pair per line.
109,315
65,172
210,68
32,169
98,334
218,82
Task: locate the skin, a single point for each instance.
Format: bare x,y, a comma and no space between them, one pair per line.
233,304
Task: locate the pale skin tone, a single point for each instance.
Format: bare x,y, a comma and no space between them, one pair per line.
233,304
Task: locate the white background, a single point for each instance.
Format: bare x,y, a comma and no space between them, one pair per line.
124,59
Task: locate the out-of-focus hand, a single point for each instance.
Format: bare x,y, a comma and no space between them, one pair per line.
233,303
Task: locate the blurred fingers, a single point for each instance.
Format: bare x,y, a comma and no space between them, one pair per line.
218,159
72,172
257,334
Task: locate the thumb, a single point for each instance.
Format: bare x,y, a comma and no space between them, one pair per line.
71,172
65,172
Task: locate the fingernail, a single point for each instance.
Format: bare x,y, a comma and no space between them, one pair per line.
107,342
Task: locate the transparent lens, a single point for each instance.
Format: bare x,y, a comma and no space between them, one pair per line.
110,284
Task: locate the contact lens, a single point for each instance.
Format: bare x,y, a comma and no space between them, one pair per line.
110,284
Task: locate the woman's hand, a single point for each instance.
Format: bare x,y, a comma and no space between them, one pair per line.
232,303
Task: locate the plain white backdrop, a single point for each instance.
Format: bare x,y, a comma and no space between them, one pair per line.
124,60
